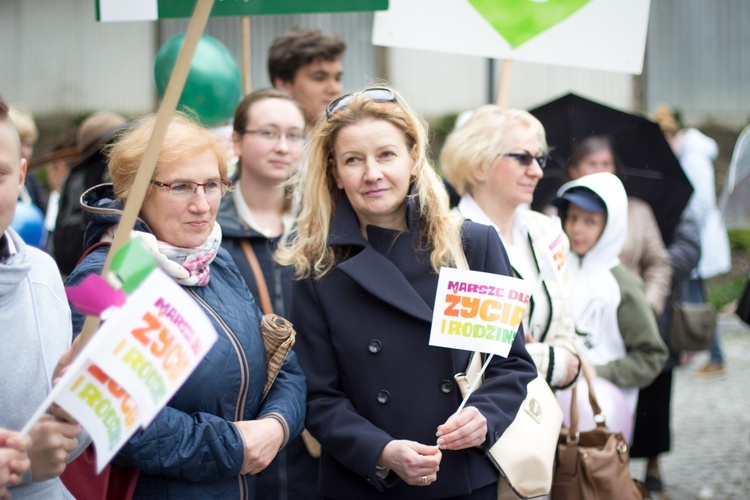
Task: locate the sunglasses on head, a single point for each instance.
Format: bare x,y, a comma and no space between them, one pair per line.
525,159
375,94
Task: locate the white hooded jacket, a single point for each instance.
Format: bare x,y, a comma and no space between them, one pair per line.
618,330
696,152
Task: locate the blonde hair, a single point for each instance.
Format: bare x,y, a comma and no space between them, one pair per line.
664,117
24,123
440,230
184,139
474,146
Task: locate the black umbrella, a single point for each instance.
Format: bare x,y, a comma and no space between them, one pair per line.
651,170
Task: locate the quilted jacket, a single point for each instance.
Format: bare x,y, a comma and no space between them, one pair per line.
191,449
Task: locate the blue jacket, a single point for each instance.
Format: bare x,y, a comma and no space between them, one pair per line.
191,449
372,377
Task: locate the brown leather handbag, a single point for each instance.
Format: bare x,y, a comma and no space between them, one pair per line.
593,464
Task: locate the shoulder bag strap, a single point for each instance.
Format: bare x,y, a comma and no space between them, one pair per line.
311,444
265,298
91,249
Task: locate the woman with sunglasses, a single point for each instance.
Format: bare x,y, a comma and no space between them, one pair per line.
268,139
373,231
217,432
495,161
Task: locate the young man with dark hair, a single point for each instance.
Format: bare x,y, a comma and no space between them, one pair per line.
307,64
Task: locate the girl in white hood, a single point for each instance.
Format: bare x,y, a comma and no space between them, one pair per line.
619,337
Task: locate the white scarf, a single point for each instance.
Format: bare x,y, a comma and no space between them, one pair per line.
188,266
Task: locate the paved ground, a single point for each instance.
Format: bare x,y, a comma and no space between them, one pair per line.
710,455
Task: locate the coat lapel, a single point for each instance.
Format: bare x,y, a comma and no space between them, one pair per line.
381,278
371,270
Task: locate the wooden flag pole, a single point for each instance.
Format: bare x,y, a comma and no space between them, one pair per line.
148,163
247,84
503,88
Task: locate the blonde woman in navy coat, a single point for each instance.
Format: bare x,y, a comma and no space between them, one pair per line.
373,232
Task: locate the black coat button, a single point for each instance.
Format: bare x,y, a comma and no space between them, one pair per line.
374,346
384,397
497,435
446,386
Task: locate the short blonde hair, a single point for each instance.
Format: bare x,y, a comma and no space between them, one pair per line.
184,139
25,125
309,252
474,146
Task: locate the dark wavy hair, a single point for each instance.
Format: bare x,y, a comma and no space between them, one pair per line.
299,47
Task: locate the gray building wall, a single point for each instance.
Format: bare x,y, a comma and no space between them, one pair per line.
55,58
698,59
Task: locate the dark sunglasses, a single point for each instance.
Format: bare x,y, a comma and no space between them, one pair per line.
525,159
375,94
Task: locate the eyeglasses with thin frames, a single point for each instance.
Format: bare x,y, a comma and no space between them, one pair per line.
185,190
375,94
526,158
268,134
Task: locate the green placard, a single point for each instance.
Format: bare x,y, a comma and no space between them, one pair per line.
184,8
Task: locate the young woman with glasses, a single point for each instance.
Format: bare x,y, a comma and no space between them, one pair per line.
217,432
495,161
268,138
373,231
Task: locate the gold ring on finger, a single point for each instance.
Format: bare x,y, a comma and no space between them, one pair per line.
425,480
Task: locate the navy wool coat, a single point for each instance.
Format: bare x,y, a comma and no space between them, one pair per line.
362,341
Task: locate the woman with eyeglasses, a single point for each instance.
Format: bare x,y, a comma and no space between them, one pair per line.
495,161
217,432
373,232
268,138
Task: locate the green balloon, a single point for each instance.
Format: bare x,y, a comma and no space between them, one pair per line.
213,87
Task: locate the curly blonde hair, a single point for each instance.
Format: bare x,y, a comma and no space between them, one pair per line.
308,250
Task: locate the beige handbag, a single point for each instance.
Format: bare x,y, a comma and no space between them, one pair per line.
525,453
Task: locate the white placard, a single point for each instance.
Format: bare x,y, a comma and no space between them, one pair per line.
477,311
134,364
602,34
156,342
128,10
107,412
